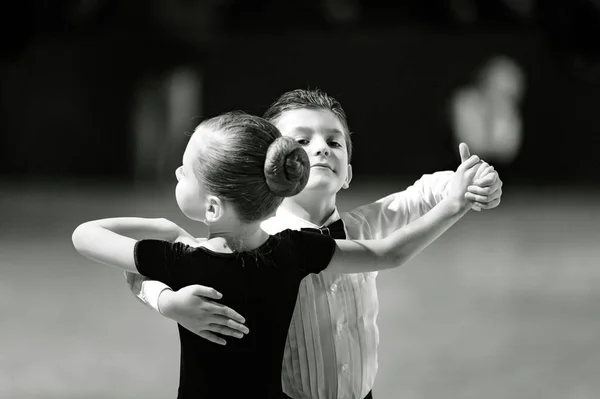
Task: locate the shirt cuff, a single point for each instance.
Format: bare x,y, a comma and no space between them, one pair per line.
151,290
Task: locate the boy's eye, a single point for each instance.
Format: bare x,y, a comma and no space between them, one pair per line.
303,141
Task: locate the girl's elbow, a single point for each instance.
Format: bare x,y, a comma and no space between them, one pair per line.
79,237
395,260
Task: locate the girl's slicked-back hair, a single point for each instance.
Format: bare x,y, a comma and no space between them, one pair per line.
246,162
309,99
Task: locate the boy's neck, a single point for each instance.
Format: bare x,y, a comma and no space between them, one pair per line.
310,208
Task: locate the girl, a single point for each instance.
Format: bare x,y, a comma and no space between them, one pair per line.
236,170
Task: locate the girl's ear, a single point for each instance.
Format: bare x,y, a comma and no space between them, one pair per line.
214,209
348,178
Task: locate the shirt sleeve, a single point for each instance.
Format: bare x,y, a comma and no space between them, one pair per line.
159,260
314,250
390,213
145,289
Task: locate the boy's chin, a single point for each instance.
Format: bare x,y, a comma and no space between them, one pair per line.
325,186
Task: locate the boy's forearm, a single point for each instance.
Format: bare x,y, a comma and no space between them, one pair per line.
432,188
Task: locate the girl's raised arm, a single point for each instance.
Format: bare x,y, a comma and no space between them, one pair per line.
111,241
358,256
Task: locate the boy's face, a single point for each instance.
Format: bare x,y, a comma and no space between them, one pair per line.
322,135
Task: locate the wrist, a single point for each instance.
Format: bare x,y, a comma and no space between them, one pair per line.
164,301
456,206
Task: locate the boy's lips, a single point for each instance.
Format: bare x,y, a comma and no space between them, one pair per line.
322,165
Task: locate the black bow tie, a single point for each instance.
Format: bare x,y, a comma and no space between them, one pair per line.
335,229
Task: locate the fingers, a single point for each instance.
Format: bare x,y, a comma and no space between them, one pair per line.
469,163
484,168
228,327
488,179
482,191
484,194
482,202
476,198
490,205
200,290
483,198
230,324
212,337
229,313
463,149
220,325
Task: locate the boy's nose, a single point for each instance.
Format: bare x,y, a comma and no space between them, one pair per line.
322,150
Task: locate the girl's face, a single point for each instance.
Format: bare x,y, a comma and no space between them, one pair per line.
322,135
190,193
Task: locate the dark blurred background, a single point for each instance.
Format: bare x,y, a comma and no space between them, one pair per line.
73,71
96,98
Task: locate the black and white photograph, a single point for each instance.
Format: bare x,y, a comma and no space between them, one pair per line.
320,199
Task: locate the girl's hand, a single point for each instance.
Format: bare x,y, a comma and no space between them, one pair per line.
463,177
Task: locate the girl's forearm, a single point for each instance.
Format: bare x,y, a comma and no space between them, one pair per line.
410,240
141,228
357,256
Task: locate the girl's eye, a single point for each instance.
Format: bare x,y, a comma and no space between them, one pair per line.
303,141
334,144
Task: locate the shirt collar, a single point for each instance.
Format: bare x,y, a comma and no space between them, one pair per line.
285,213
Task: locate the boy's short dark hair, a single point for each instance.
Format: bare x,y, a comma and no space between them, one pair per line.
309,99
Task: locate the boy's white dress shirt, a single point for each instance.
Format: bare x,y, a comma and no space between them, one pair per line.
331,349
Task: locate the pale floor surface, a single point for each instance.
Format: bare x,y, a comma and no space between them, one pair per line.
504,306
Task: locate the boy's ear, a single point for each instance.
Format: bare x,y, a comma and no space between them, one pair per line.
214,209
348,178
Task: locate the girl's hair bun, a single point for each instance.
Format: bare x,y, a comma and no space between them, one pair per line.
287,167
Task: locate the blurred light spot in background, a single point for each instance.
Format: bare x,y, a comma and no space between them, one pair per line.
486,113
166,113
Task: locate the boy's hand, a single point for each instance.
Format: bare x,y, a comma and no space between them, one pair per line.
486,190
192,307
